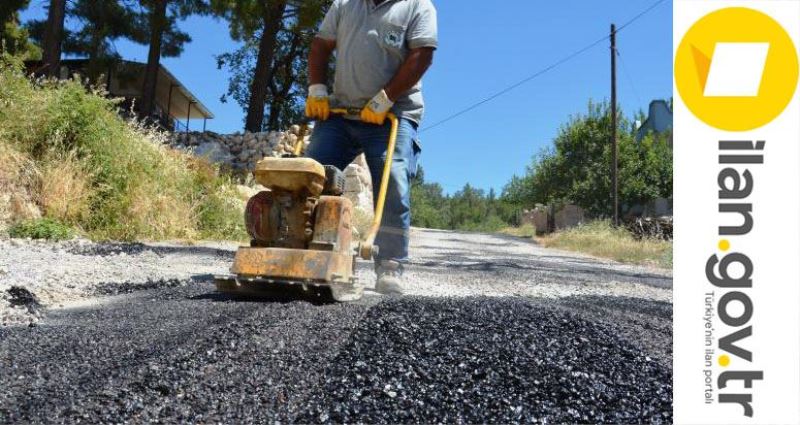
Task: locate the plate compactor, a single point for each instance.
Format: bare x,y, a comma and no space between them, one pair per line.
301,230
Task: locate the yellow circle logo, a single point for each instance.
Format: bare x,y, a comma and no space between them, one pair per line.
736,69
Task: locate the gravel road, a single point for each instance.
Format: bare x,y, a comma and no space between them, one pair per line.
496,329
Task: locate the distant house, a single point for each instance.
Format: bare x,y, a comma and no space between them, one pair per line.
659,120
175,105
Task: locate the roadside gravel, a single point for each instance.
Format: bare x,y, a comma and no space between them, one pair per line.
40,275
36,276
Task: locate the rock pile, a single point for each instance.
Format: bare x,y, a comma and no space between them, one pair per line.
238,151
358,185
651,228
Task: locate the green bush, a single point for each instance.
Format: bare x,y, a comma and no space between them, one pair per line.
133,186
44,228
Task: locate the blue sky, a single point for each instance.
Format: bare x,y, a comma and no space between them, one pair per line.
483,49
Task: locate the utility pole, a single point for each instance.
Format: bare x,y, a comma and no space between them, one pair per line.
614,163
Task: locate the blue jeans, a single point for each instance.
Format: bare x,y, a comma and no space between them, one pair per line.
338,141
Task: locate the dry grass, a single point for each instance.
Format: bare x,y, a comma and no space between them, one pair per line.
64,190
600,239
525,231
17,179
66,154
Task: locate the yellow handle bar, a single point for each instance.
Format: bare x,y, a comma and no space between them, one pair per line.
367,249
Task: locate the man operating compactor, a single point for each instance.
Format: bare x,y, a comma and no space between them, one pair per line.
383,48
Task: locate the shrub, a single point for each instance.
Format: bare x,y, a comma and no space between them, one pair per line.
43,228
110,178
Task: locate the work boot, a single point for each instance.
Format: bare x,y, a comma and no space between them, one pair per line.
390,278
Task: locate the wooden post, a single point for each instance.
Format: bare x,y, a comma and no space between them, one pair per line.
614,152
169,107
188,114
169,100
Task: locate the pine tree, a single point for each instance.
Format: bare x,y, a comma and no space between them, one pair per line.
14,38
270,66
100,24
157,27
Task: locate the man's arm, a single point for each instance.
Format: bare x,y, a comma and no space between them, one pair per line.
317,106
422,40
411,71
318,58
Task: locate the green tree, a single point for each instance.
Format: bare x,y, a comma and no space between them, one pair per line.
14,38
468,209
577,168
429,206
647,170
268,71
157,27
9,9
100,24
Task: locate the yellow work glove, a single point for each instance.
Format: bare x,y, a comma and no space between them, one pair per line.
317,106
377,108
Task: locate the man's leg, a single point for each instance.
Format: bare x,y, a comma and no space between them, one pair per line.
392,238
331,143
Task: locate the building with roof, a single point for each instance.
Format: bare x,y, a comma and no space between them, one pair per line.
659,120
175,105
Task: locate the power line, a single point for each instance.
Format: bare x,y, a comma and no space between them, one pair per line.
515,85
642,13
543,70
628,77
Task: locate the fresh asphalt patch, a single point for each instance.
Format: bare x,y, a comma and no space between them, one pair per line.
185,354
479,360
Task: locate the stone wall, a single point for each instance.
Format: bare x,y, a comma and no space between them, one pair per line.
238,151
653,219
569,216
539,217
241,152
546,219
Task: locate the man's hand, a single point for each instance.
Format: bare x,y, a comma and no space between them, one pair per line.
317,106
377,108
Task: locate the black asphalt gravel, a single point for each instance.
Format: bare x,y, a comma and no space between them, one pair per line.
185,354
488,360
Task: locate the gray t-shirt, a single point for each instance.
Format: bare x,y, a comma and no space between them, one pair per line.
371,44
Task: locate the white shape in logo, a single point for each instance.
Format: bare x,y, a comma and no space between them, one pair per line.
736,69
